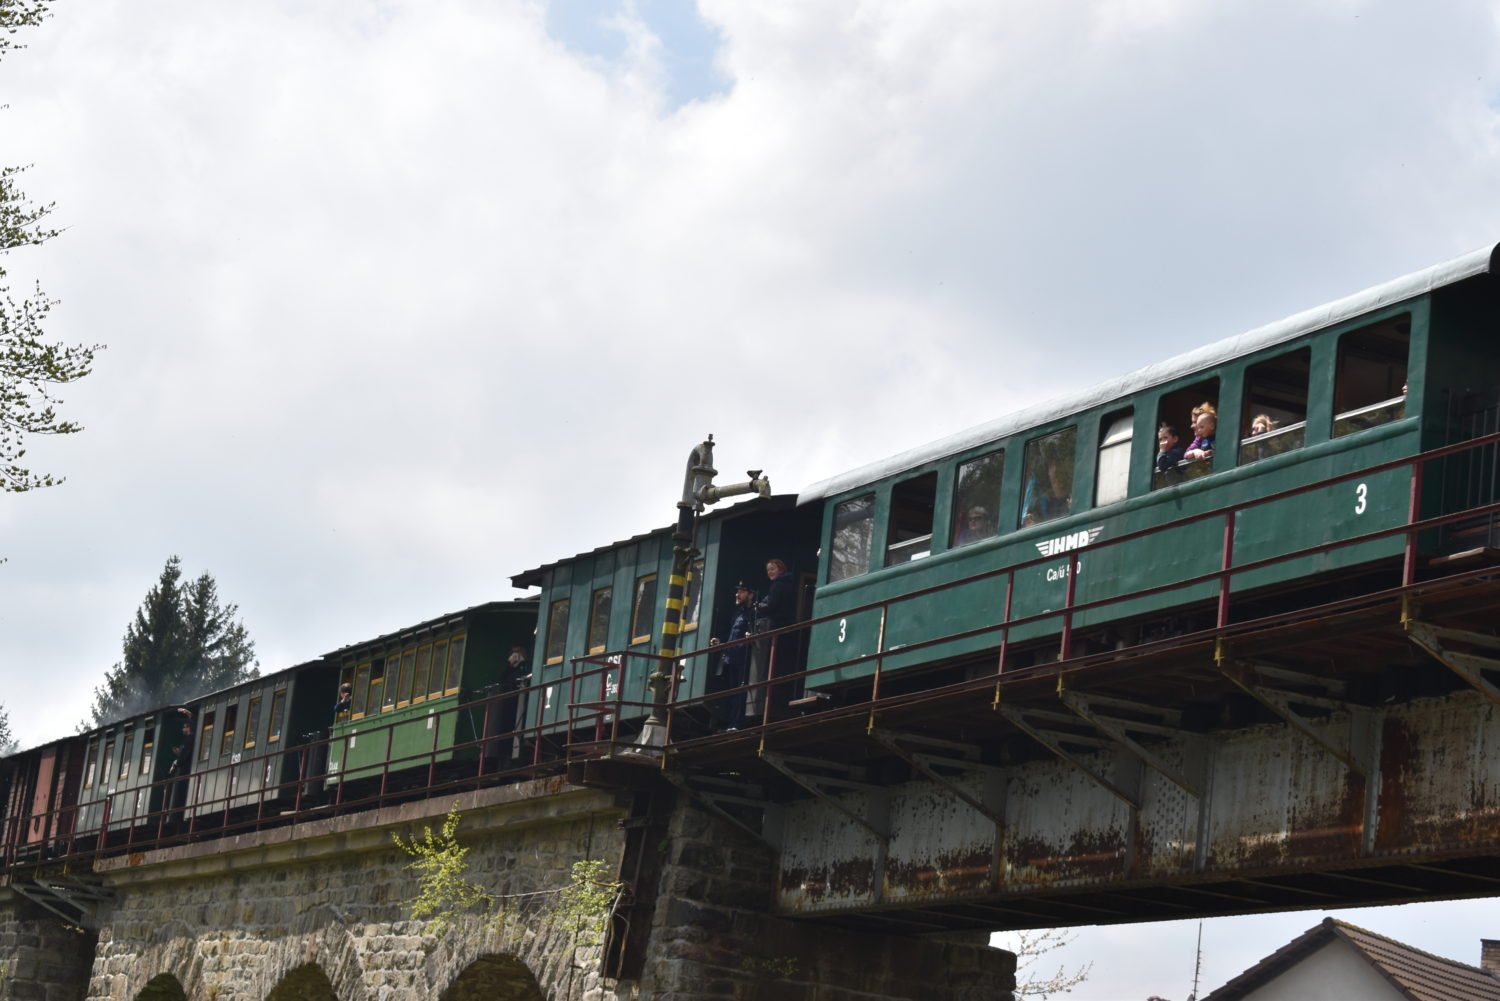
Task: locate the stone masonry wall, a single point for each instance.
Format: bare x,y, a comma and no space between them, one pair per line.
41,958
713,938
235,934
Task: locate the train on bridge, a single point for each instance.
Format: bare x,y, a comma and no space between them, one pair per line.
1342,450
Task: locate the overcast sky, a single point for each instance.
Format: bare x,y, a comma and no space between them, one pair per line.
404,296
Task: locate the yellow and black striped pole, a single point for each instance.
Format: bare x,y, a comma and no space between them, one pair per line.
698,490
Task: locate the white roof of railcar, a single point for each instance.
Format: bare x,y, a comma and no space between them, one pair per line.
1477,262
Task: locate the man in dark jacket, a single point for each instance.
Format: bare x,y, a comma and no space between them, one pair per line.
778,608
734,661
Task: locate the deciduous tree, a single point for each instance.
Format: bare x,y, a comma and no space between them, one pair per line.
182,644
31,367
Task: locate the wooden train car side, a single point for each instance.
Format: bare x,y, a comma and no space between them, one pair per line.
408,686
614,599
39,799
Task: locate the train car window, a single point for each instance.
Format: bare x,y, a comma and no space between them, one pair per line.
252,721
1274,415
643,611
557,631
976,499
127,745
408,671
910,534
1371,381
106,760
278,701
692,600
424,667
89,765
853,533
1177,411
231,718
148,745
205,736
439,668
1112,477
598,638
377,685
455,663
1047,475
361,690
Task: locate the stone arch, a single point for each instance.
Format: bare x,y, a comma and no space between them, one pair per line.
494,977
307,982
162,987
320,940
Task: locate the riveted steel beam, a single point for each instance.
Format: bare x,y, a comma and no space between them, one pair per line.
925,763
1050,742
1280,703
1470,667
1116,730
815,783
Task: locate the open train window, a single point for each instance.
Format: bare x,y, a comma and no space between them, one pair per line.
853,531
278,702
910,534
557,630
127,744
598,638
456,662
252,722
231,717
205,739
1112,476
692,599
1047,476
1274,417
1371,386
976,499
1178,411
643,608
439,668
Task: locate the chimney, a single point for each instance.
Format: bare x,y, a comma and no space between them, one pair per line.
1489,955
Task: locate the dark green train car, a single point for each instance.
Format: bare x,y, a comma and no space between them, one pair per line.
407,685
122,764
249,738
613,600
1397,369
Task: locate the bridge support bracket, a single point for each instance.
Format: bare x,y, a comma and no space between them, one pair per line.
962,758
1438,641
71,899
1117,729
810,774
1053,740
717,795
1280,702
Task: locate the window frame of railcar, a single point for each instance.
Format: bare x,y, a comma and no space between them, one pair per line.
377,686
975,494
692,596
231,724
910,519
252,721
361,698
90,764
127,748
392,680
421,674
439,672
1262,393
1063,442
1367,411
1186,397
600,602
206,735
278,710
1112,459
105,757
456,644
148,746
557,631
863,522
406,674
643,600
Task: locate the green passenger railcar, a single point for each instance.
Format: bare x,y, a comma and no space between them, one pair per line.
407,688
122,764
1378,376
614,599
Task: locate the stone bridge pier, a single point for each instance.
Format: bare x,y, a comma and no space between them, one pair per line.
318,911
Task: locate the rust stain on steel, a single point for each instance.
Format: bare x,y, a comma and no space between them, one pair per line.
952,873
1088,855
809,884
852,877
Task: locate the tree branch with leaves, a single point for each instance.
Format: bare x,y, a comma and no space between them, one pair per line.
31,367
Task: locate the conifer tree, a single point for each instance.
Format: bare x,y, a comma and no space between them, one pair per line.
31,367
183,643
7,742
